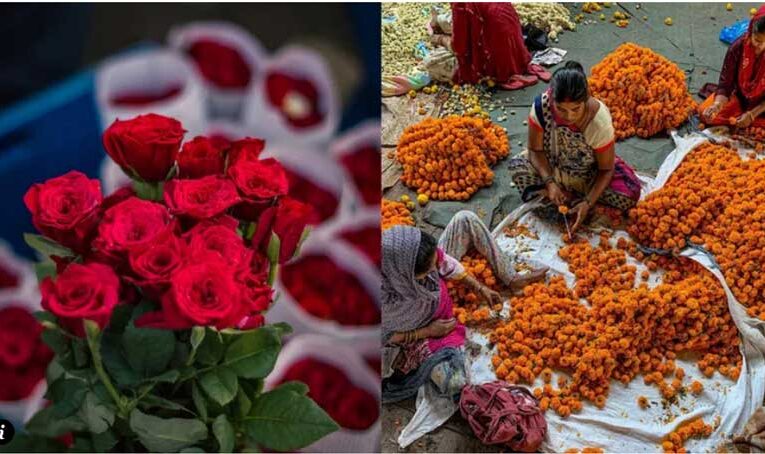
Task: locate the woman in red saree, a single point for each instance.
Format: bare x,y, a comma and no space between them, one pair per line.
488,41
740,97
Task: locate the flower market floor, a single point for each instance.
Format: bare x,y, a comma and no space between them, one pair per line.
691,42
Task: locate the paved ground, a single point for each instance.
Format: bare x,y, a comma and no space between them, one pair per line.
692,43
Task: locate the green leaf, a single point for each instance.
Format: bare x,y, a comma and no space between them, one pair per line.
45,269
116,365
45,316
98,416
154,401
121,316
301,241
220,384
193,449
224,433
197,336
147,350
170,376
285,421
56,340
252,227
295,386
54,371
67,396
104,441
243,403
46,246
199,402
253,355
81,444
166,435
46,424
25,442
282,329
210,351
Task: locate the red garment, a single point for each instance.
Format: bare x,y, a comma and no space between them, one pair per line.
488,42
751,76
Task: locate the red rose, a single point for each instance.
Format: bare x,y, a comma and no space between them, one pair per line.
259,180
200,199
296,98
251,322
247,149
256,293
20,338
154,265
65,208
324,202
221,241
131,224
81,292
8,277
146,146
220,64
201,294
363,165
201,157
288,219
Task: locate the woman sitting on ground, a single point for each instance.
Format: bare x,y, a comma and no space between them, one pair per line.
740,97
571,156
421,339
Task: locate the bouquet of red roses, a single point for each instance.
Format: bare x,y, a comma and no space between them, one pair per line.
154,298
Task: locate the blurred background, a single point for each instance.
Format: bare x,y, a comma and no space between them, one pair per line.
48,117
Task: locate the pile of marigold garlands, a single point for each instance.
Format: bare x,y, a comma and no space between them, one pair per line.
625,332
395,213
645,92
714,199
450,158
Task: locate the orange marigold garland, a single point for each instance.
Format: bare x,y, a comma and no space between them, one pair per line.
625,332
645,92
676,439
394,213
715,199
450,158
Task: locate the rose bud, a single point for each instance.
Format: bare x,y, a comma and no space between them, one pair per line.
288,220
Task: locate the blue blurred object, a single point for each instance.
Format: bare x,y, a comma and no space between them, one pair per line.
733,32
49,134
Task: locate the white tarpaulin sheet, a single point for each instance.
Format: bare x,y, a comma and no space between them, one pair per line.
622,426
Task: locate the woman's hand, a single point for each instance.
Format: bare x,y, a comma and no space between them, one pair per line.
490,296
556,194
745,120
580,212
440,327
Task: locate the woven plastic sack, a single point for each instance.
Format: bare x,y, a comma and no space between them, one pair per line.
358,152
156,81
499,413
733,32
290,115
351,363
364,338
315,178
223,102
